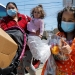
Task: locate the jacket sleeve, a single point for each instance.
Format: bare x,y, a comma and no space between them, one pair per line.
28,20
3,24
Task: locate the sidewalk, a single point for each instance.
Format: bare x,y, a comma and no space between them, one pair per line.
38,71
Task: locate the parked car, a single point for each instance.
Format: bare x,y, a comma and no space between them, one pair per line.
2,11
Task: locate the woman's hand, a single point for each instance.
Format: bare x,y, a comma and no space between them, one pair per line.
66,49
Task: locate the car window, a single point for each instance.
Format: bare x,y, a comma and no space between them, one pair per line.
2,11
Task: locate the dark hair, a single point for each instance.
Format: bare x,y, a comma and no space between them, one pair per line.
40,6
41,10
11,3
59,16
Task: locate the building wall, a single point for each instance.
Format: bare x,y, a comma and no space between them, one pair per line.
73,2
67,2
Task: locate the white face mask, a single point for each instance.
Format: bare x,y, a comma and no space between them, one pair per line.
11,12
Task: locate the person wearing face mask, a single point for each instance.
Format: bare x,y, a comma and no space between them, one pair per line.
65,65
14,18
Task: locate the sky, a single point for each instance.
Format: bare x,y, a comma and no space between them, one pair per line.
51,7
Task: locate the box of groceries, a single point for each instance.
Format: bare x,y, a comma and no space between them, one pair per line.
8,48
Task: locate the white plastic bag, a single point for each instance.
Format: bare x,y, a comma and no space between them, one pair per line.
39,50
53,39
51,66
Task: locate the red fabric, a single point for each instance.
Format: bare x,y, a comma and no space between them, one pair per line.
64,67
68,65
8,21
36,63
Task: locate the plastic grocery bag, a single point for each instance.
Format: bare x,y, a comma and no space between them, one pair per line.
56,40
39,49
51,66
53,40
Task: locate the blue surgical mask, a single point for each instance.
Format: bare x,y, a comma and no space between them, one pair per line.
67,26
11,12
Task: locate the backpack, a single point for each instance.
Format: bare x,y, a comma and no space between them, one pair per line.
19,36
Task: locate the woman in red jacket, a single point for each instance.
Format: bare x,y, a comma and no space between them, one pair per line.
14,18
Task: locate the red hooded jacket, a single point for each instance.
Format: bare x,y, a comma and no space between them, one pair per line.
8,21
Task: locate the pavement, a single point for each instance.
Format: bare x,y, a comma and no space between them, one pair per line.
38,70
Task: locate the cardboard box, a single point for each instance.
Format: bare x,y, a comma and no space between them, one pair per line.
8,49
5,60
7,44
